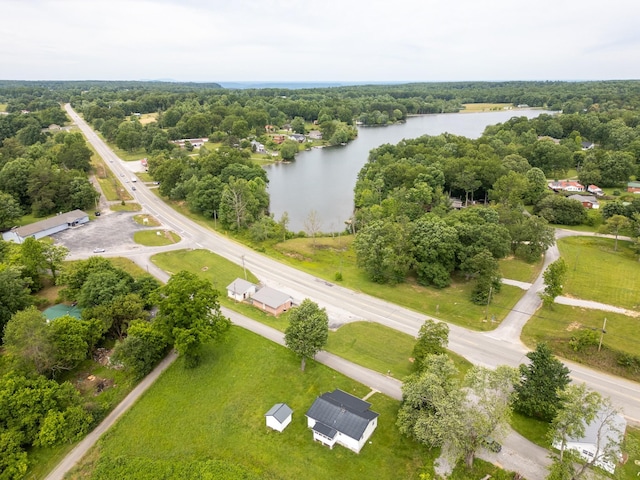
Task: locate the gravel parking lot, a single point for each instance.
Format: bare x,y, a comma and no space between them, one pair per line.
112,231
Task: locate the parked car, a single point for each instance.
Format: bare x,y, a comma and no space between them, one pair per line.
491,445
133,188
98,250
97,214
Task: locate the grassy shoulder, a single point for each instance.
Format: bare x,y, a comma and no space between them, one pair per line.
127,207
557,325
156,238
596,271
216,410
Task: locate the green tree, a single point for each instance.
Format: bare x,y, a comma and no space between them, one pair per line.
308,330
14,293
582,408
26,338
10,211
68,338
32,261
189,314
537,393
297,125
383,251
486,271
141,350
13,459
554,277
435,249
54,255
72,151
433,339
509,189
614,225
288,149
103,287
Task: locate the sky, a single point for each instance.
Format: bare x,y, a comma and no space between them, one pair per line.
319,40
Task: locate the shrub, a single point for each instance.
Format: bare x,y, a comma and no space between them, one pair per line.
582,339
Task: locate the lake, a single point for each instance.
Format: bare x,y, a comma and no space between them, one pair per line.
323,179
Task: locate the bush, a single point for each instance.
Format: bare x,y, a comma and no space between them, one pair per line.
616,193
338,277
584,338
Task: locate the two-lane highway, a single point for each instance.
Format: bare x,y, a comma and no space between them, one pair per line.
343,305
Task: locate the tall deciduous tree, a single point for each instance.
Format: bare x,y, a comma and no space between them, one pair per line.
581,408
537,393
614,225
433,339
54,255
14,294
10,211
189,314
308,330
554,277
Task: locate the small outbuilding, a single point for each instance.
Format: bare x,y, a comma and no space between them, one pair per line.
278,416
240,290
271,300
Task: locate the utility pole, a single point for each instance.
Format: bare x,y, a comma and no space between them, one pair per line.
604,324
486,309
243,268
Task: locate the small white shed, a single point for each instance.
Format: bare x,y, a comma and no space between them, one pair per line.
240,289
279,416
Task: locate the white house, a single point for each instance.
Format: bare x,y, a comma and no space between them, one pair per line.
598,434
596,190
338,417
566,186
278,416
47,227
240,289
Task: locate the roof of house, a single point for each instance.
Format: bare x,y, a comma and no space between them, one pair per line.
633,184
614,434
565,184
271,297
584,198
62,219
280,411
342,412
594,187
240,286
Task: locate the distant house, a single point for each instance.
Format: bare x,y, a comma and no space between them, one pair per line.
257,147
633,187
597,435
596,190
278,138
195,142
144,163
272,301
47,227
270,128
298,137
315,135
587,145
587,201
240,289
338,417
286,127
279,416
566,186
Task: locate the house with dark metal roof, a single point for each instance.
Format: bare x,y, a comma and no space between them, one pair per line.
46,227
271,300
338,417
279,416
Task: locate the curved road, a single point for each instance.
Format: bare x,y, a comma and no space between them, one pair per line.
501,346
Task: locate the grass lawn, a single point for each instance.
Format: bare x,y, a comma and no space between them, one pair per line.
216,411
156,238
484,107
127,207
146,220
597,272
557,325
145,177
516,269
534,430
128,266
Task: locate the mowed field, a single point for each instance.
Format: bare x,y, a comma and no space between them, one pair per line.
216,412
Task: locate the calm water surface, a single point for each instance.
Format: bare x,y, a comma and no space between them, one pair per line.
323,179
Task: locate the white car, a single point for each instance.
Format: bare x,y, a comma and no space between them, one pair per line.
98,250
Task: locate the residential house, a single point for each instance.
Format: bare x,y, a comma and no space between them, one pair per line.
270,128
272,301
315,135
587,145
287,127
298,137
278,138
240,290
47,227
257,147
566,186
587,201
279,416
598,434
195,142
596,190
633,187
338,417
